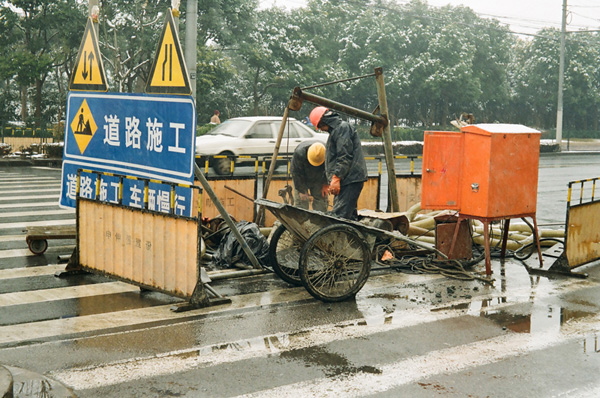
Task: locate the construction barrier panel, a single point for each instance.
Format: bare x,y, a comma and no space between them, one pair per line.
409,191
235,192
369,197
153,249
582,235
238,206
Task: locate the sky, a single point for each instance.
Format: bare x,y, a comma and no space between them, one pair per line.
523,16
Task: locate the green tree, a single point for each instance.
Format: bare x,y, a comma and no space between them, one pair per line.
40,28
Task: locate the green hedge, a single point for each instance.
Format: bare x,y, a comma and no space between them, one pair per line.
26,132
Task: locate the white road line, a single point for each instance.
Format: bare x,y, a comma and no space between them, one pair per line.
32,204
18,184
445,361
36,213
25,187
27,253
590,391
63,293
405,371
30,197
205,356
27,272
12,238
98,322
47,223
11,180
46,168
30,191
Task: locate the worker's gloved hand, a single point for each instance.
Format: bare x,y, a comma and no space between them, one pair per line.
325,190
303,196
334,186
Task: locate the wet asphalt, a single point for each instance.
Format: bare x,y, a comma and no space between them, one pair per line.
405,334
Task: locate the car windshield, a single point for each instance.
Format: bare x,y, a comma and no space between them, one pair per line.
232,128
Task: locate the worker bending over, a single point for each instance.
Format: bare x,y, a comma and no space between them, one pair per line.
308,174
344,162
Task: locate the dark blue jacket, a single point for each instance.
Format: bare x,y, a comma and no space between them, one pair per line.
345,157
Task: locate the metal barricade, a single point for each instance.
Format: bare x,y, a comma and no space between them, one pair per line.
582,237
148,246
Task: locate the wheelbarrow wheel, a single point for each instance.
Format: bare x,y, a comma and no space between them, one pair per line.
284,252
335,263
37,246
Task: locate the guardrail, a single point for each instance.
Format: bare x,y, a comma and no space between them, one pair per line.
261,163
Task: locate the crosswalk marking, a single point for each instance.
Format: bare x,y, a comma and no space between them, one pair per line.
28,272
27,253
47,223
43,168
89,323
37,213
204,356
2,193
63,293
392,375
46,184
31,204
12,238
8,181
444,361
29,197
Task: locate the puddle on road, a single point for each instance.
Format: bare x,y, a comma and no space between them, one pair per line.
591,345
542,319
333,364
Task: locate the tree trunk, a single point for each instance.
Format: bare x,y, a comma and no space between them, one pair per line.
24,113
255,95
38,102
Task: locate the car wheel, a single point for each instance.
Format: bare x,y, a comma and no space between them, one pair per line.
222,166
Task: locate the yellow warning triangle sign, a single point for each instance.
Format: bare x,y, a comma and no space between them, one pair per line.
88,73
168,74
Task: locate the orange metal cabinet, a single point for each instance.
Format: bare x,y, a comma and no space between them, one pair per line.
440,178
487,170
500,170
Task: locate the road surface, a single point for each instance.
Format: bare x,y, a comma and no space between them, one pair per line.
406,334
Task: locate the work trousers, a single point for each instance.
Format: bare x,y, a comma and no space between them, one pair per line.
344,204
319,203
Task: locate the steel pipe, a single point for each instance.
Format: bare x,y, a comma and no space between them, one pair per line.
349,110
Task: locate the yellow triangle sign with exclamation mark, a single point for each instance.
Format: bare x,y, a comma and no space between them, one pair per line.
168,74
88,73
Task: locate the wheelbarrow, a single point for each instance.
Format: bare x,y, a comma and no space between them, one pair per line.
330,256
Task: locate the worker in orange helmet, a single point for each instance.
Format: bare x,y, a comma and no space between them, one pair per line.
344,162
308,174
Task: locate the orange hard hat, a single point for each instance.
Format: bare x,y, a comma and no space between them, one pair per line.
316,154
316,115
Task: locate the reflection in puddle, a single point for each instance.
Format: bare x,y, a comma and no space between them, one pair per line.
590,345
543,319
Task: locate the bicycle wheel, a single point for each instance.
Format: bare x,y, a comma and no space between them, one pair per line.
284,251
335,263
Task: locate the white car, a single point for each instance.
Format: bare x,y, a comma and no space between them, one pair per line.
255,136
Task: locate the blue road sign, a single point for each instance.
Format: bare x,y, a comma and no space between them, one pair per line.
148,136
